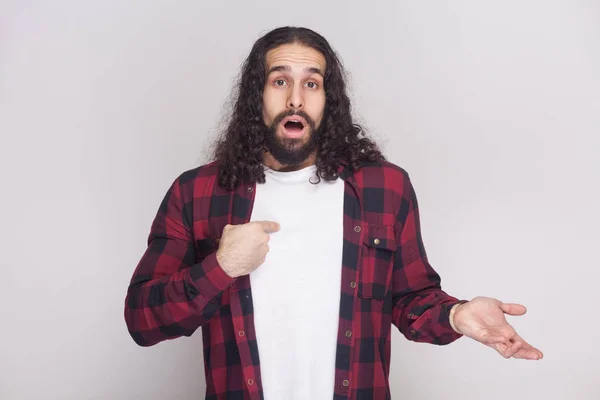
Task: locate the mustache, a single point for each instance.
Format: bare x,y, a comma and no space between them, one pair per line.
291,113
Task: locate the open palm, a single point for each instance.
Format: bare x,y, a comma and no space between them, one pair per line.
482,319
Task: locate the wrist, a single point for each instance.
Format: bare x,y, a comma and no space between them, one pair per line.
223,265
452,316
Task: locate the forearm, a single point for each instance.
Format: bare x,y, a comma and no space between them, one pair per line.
423,316
421,309
157,309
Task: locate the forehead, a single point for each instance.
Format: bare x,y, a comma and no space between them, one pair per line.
295,55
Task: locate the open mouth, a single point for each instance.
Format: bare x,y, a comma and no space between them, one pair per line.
293,128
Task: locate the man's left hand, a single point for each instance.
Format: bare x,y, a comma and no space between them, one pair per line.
482,319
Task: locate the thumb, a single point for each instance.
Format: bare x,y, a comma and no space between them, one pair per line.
269,226
513,309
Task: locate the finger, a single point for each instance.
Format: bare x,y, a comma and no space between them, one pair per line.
501,348
528,352
507,349
269,226
513,349
513,309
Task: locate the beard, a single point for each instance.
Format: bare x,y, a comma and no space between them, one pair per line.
291,151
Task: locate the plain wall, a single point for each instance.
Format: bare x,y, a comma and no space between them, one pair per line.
492,107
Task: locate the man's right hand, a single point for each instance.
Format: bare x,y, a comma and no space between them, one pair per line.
244,247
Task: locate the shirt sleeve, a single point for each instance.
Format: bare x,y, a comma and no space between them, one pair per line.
420,307
170,295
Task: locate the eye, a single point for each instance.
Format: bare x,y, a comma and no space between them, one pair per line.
279,82
312,85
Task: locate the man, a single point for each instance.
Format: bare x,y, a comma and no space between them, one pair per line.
299,246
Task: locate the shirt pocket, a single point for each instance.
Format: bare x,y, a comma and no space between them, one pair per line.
377,260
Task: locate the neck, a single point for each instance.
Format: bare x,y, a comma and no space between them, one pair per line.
272,163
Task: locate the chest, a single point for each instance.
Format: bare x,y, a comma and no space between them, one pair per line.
307,250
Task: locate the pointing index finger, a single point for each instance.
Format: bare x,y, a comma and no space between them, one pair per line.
269,226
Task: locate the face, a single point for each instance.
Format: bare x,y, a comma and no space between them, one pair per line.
293,103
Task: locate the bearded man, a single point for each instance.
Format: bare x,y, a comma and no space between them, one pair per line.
299,246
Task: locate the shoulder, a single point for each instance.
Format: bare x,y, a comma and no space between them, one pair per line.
383,174
197,181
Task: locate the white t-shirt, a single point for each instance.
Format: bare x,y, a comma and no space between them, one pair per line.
296,292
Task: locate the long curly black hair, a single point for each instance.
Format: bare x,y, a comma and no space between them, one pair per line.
239,149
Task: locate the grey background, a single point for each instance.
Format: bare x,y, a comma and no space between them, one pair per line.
492,107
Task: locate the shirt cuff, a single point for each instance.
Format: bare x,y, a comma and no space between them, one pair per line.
209,278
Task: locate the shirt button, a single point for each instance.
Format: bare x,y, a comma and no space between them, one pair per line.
250,189
250,382
376,241
348,333
345,383
352,285
241,333
413,332
410,315
357,229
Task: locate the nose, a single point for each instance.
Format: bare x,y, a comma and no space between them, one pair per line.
295,100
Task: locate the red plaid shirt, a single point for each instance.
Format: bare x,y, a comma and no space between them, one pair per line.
178,285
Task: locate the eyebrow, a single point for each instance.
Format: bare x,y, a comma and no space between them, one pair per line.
287,68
